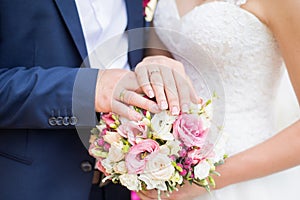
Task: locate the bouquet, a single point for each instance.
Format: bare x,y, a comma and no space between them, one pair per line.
159,152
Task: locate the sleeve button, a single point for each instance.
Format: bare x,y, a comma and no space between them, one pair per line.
66,121
59,121
73,120
86,166
52,121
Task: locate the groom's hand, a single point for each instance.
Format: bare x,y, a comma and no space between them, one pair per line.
165,78
116,89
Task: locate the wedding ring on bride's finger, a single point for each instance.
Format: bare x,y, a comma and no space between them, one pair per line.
153,72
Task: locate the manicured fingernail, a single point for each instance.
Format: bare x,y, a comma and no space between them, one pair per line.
200,101
150,94
185,108
175,110
155,108
163,105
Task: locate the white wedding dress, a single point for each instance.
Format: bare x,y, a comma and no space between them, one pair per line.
247,59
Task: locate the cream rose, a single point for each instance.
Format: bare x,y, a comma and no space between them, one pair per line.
120,167
153,184
162,125
111,137
106,163
130,181
159,167
115,153
174,146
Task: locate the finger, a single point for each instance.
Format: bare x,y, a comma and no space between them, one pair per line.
132,98
171,90
142,75
183,92
125,111
193,94
158,87
151,195
179,68
143,196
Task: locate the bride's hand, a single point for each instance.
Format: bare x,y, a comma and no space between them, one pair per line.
165,79
186,192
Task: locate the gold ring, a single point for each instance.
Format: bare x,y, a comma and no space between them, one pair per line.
122,95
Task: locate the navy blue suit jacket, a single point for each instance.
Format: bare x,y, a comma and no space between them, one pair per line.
41,49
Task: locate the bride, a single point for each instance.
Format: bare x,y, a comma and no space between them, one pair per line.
249,41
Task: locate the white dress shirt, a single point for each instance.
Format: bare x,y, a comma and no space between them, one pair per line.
103,23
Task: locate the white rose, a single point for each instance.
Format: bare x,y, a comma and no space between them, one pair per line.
115,153
159,167
107,164
162,124
130,181
120,167
111,137
153,184
174,146
201,170
164,149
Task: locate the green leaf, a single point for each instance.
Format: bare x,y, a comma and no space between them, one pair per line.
211,181
115,117
113,125
148,115
125,148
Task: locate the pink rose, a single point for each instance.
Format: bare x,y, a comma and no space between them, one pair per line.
100,167
189,129
196,156
132,131
139,154
107,118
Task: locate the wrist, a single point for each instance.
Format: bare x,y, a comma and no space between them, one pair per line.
227,174
98,90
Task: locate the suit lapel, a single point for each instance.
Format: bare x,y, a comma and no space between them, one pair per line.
68,10
135,17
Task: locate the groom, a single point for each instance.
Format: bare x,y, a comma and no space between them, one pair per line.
42,45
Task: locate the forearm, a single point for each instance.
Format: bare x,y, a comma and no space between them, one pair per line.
31,96
154,45
276,154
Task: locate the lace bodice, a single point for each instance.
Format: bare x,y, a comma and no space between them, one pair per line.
245,54
236,2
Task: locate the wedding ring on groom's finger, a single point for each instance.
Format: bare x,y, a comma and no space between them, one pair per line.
122,95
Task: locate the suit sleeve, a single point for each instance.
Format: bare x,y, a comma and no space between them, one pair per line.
57,97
